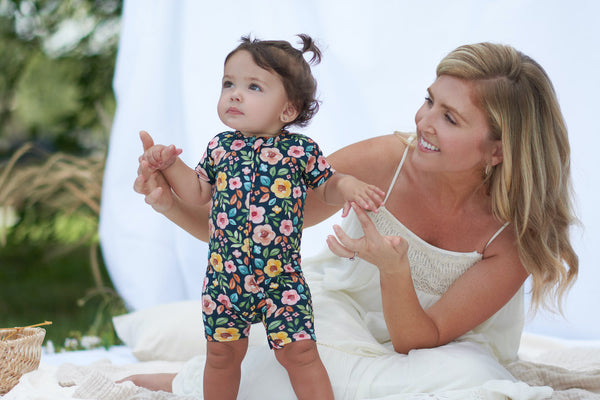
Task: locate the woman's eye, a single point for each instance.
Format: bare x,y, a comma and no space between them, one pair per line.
255,87
428,100
450,119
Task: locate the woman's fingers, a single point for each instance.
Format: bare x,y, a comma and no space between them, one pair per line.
337,248
367,225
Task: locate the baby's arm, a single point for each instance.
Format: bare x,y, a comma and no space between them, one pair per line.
182,179
343,189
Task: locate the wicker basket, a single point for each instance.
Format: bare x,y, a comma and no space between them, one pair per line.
20,352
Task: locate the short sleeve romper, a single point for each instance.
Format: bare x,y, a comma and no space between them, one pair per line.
255,225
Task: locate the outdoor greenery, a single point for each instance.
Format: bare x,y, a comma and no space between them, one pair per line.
57,61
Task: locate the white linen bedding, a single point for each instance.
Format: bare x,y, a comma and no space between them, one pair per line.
572,368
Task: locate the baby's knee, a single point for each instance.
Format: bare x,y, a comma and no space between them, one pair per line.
300,353
224,355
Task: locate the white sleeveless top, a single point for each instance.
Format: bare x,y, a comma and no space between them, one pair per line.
433,271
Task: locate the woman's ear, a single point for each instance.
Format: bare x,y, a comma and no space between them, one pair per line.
497,155
289,113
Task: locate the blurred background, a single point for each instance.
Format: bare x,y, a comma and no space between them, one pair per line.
57,62
62,135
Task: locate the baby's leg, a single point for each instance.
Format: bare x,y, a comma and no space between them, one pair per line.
222,372
306,370
154,382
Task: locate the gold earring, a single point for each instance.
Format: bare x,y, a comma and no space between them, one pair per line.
488,170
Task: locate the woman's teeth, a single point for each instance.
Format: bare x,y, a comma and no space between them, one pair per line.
428,145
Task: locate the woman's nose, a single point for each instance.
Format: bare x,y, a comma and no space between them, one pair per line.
423,119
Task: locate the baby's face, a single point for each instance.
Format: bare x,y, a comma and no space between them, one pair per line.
253,100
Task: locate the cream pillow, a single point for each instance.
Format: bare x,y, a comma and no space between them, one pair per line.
170,332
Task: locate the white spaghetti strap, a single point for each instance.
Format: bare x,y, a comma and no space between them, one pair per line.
410,139
496,235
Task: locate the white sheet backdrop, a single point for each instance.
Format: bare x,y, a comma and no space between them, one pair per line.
379,58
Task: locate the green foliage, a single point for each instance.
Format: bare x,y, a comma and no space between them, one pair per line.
56,85
57,61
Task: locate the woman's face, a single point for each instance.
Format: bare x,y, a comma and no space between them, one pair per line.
452,132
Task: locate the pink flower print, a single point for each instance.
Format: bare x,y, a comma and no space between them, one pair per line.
237,144
296,192
222,220
296,151
290,297
250,284
246,170
271,307
270,155
208,305
257,144
310,164
213,143
236,253
211,227
308,324
288,268
235,183
256,214
286,227
323,164
230,266
217,154
201,173
247,330
224,299
263,234
301,336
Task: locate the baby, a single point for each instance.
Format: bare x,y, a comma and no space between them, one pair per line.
256,177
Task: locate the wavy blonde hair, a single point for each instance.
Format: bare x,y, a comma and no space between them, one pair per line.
531,188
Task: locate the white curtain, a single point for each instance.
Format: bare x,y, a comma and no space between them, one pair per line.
379,58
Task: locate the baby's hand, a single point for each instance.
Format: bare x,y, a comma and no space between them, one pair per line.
368,197
160,157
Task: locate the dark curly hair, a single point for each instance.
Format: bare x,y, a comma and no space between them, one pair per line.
288,62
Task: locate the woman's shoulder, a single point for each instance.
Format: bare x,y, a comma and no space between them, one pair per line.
394,143
372,160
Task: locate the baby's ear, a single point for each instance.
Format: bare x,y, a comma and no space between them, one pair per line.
289,113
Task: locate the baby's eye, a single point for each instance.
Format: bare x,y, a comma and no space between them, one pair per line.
428,100
255,87
227,84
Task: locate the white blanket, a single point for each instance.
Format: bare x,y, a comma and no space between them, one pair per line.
572,368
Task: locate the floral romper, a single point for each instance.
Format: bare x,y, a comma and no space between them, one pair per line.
256,218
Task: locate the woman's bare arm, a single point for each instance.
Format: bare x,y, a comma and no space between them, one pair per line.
372,161
474,297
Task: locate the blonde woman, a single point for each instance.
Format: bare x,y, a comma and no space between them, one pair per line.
427,296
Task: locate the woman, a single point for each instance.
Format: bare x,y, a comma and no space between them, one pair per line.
477,201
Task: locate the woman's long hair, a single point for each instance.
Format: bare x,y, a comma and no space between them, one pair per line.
531,188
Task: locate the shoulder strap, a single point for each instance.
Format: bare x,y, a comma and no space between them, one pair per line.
499,231
410,139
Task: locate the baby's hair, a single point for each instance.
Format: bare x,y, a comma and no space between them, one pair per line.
288,62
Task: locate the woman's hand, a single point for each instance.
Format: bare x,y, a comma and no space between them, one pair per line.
151,182
388,253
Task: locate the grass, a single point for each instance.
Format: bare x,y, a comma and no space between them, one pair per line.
36,286
50,266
